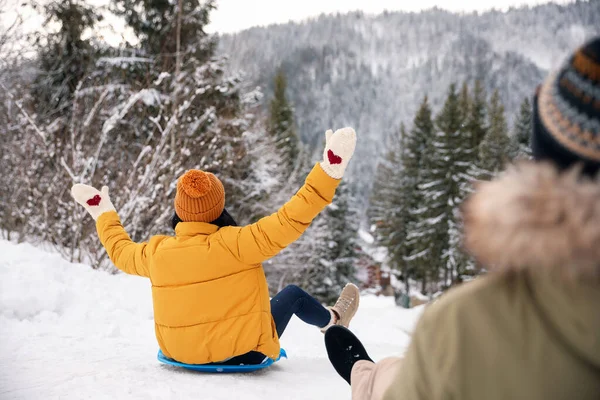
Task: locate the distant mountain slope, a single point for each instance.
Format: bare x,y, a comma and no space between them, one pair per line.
371,72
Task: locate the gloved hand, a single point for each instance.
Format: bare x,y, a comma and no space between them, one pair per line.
344,350
94,201
339,148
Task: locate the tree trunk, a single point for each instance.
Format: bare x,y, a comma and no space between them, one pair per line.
447,276
177,66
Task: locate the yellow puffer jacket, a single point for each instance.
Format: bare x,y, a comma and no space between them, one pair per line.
211,299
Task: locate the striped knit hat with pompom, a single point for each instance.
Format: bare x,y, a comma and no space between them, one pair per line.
200,197
566,123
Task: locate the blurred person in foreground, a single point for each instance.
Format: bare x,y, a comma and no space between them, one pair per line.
530,328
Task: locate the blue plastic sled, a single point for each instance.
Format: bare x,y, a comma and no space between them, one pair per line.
222,368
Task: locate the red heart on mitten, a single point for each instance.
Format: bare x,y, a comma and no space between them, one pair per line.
94,201
333,158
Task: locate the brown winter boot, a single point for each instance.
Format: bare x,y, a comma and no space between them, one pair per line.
345,307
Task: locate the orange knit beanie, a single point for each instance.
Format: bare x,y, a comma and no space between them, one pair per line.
200,197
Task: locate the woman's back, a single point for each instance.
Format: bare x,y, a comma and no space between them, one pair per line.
514,336
210,294
531,328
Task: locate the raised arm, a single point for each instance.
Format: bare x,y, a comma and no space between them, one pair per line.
262,240
128,256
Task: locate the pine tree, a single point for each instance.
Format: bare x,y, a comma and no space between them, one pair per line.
521,139
163,28
464,157
476,121
390,203
281,122
450,117
417,141
434,235
396,203
454,156
476,128
332,263
494,149
464,104
343,224
386,186
422,256
64,57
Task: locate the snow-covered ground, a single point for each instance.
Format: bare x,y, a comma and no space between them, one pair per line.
67,331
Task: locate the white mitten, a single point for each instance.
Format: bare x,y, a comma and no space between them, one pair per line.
339,148
94,201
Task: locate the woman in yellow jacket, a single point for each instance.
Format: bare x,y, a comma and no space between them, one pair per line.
210,295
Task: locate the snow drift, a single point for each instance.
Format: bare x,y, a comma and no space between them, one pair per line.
69,331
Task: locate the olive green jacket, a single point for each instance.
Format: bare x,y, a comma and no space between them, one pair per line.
530,329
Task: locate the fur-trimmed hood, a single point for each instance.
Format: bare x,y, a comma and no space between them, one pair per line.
533,216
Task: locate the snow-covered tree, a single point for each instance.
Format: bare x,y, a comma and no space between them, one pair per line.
464,104
434,232
453,154
425,236
168,29
521,138
386,187
332,262
477,116
64,57
281,122
11,119
459,178
393,189
41,92
136,121
494,148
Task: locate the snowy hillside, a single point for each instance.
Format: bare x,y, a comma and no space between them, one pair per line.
67,331
371,72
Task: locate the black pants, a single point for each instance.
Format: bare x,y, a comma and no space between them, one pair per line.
291,300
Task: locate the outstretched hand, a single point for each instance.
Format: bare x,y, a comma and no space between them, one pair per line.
344,350
94,201
339,148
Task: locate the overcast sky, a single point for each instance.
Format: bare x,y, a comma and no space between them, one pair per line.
236,15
